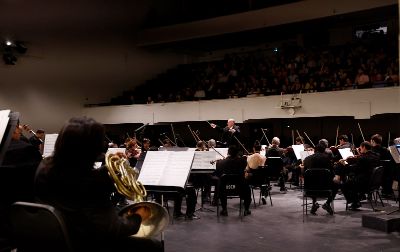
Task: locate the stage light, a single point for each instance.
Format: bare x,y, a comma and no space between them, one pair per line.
8,43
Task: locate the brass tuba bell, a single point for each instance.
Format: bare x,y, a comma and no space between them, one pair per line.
125,181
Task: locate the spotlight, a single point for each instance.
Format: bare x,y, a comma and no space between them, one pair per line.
8,43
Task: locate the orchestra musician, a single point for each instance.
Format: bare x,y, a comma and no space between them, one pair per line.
274,150
355,173
254,161
328,151
344,142
37,139
389,168
318,160
68,181
233,164
132,151
229,132
145,148
19,164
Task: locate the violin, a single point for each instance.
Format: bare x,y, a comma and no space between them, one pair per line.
26,128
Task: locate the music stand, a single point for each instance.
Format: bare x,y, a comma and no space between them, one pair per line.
395,151
12,124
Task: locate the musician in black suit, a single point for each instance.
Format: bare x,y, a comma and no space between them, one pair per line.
229,132
68,181
359,172
319,160
16,180
389,167
233,164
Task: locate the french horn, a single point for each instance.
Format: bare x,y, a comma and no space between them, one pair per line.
126,183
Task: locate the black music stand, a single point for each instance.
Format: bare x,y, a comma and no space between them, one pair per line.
203,173
398,193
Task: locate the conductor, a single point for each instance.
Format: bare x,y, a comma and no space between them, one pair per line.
228,133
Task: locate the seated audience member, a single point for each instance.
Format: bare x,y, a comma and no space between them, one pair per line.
68,181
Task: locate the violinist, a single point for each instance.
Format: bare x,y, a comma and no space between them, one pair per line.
389,168
132,151
274,158
357,171
146,147
201,146
274,150
328,151
320,160
233,164
300,140
344,142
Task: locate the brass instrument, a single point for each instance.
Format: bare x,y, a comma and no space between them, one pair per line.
125,181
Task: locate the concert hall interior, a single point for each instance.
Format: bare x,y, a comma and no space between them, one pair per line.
199,125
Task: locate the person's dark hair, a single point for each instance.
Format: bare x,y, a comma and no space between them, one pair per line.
324,142
377,139
319,148
257,146
79,143
366,145
344,138
39,131
300,139
146,140
233,151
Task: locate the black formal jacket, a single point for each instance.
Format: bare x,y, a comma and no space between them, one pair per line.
274,151
230,165
317,160
84,199
227,137
363,167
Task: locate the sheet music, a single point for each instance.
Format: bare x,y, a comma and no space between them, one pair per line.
305,154
297,148
395,151
3,122
202,159
49,142
166,168
345,153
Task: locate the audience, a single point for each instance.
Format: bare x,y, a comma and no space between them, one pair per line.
290,69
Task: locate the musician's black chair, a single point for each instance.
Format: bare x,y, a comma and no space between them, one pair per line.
318,183
374,185
275,170
38,227
229,186
259,179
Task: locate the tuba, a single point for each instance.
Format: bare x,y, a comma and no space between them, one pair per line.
125,181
